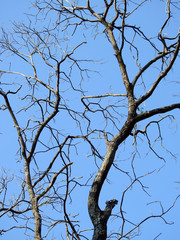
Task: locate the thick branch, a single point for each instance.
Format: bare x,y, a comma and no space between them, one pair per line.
156,111
23,145
48,119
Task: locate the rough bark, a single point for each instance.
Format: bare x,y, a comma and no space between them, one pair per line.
98,217
34,202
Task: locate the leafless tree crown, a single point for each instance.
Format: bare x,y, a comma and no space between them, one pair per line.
71,126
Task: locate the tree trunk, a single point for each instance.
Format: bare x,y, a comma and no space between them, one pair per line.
37,217
34,202
98,217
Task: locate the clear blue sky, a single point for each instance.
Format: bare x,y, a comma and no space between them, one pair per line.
162,184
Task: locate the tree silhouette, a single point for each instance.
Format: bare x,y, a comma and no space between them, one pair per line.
57,116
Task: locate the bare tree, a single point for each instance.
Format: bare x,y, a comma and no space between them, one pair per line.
54,116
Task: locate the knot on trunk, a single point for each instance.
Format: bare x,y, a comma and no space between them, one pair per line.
109,206
100,219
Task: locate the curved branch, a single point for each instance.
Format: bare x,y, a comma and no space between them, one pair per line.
48,119
156,111
8,106
99,218
53,180
161,76
148,65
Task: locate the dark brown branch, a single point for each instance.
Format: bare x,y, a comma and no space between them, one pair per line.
98,217
53,180
161,76
48,119
156,111
8,106
160,56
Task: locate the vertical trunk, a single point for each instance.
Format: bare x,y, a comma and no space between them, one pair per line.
34,202
100,231
37,223
100,219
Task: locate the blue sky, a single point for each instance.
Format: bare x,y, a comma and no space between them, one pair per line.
162,184
11,10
